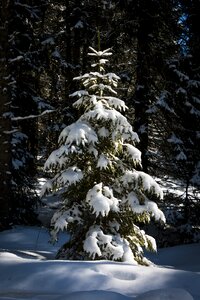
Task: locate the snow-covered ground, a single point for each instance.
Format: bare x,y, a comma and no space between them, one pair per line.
28,271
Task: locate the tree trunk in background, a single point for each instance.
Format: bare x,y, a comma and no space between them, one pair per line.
5,122
142,92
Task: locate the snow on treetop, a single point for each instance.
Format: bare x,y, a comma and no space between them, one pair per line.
78,133
99,53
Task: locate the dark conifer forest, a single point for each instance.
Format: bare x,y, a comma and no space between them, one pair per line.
155,49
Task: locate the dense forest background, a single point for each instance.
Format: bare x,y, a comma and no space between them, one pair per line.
156,47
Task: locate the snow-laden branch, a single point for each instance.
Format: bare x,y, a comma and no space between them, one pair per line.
33,116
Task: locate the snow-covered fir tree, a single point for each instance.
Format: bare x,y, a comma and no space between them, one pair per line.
97,169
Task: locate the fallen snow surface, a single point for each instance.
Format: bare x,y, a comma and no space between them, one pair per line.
28,271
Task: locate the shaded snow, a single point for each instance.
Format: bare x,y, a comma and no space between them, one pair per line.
28,271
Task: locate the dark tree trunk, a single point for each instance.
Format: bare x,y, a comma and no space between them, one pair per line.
142,92
5,122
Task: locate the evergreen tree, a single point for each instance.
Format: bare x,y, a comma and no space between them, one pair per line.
157,30
20,89
97,169
179,106
25,62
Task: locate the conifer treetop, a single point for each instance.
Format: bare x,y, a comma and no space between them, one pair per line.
99,54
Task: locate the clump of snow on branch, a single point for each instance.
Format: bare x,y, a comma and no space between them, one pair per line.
97,243
103,162
62,218
70,175
146,206
56,158
133,152
101,200
78,133
138,178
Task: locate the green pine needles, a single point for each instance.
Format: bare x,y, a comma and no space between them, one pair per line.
97,169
